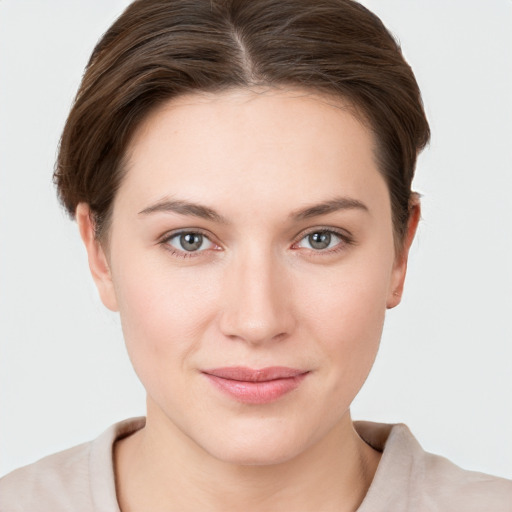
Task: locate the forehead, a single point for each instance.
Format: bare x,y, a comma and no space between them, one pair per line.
273,145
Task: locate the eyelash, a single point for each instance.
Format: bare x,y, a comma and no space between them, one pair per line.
164,241
345,240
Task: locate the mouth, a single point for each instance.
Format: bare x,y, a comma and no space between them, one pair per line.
259,386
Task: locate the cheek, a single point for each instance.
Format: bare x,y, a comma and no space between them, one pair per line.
164,314
346,314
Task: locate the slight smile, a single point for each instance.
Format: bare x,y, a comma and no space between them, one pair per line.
256,386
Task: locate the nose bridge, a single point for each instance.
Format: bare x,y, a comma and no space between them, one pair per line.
256,306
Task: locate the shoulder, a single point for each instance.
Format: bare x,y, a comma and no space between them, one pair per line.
49,484
409,478
80,479
446,484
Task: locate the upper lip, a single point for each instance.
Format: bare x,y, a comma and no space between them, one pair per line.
244,374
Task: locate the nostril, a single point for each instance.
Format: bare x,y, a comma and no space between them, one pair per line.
271,330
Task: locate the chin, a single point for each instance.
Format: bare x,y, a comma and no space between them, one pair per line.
260,445
255,454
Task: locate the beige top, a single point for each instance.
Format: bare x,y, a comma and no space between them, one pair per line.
81,479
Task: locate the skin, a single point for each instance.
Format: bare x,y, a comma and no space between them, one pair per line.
257,293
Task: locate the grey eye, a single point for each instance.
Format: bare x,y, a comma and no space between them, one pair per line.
189,242
320,240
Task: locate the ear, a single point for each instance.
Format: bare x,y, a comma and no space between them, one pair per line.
98,262
400,265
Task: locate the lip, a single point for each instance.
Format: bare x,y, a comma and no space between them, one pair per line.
256,386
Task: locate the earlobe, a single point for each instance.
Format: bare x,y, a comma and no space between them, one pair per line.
400,265
98,262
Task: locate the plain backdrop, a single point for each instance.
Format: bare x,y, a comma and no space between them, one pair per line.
445,364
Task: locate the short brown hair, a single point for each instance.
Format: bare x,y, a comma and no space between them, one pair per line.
160,49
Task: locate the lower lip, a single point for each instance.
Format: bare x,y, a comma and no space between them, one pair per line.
257,392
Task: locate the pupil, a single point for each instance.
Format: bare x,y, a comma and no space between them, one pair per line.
320,240
191,241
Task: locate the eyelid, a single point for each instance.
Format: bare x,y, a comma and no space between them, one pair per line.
174,232
342,233
345,236
166,237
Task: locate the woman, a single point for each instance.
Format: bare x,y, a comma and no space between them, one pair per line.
240,173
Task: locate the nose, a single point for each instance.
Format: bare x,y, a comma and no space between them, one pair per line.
256,305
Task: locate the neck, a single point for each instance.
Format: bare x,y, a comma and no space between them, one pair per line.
160,469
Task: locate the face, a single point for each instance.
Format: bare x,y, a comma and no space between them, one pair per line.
251,258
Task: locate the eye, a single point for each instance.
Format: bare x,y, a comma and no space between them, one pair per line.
321,240
189,241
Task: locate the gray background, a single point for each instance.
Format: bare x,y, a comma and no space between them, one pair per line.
444,367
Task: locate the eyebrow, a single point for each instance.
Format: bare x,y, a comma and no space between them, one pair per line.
204,212
330,206
185,208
